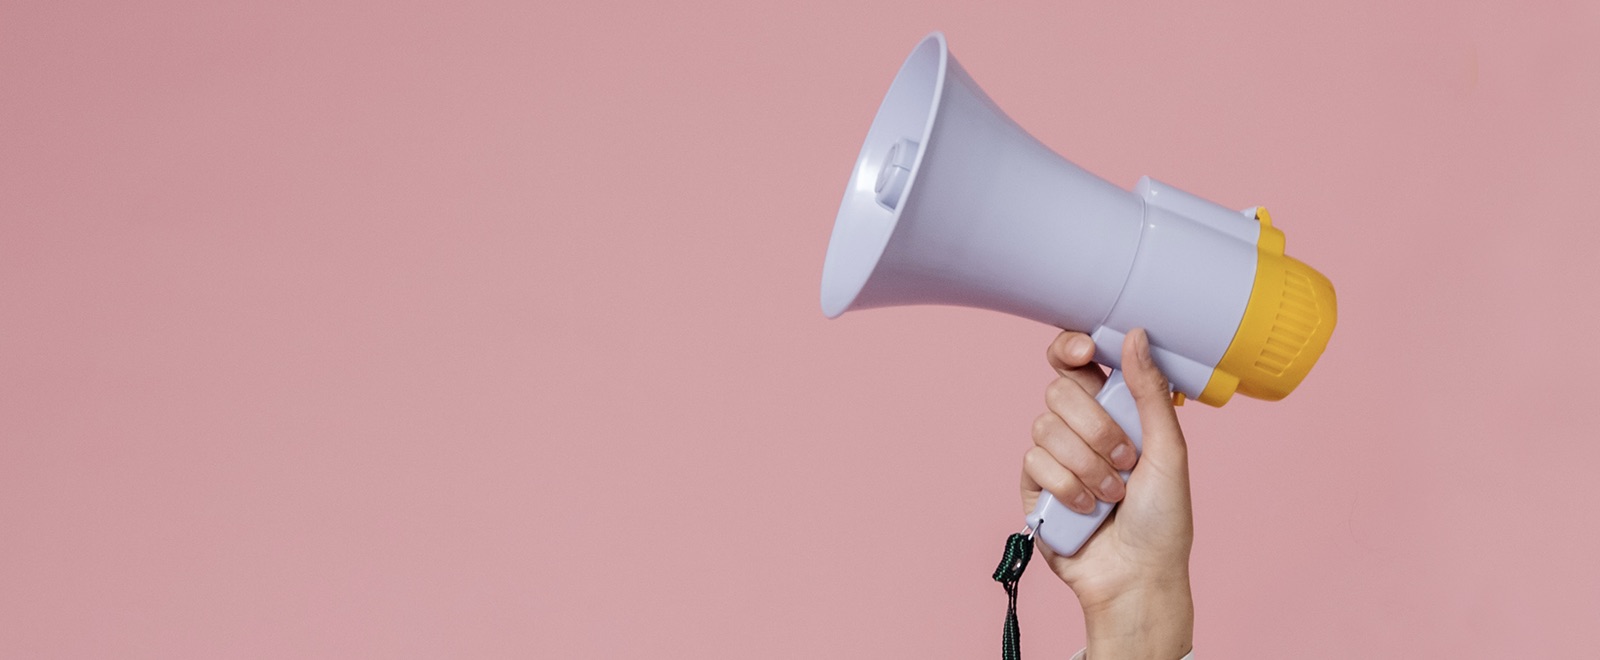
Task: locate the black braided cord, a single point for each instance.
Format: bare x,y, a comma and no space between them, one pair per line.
1019,549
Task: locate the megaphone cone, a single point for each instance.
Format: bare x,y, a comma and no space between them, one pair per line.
951,202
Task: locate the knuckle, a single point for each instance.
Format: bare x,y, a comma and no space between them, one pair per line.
1086,469
1065,488
1034,461
1057,391
1099,431
1042,426
1030,458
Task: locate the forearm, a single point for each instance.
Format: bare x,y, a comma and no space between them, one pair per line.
1154,621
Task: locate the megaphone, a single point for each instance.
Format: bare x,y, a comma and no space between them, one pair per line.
953,203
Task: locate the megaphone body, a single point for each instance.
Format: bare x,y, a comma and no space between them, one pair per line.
952,203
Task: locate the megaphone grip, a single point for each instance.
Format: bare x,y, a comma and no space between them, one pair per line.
1063,529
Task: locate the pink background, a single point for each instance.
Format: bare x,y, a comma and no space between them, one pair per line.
491,329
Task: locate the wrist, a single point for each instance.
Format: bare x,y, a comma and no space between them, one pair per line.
1153,619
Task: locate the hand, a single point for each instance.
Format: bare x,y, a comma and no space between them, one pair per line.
1132,576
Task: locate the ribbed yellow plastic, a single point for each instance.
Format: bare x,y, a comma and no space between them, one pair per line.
1286,326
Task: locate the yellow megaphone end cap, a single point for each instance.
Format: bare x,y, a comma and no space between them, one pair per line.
1286,326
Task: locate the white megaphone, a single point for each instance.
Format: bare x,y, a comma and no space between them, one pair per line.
952,203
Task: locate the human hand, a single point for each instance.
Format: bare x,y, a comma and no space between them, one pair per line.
1132,576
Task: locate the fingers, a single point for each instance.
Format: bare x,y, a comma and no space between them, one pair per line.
1070,451
1078,448
1075,406
1070,350
1151,393
1041,472
1071,355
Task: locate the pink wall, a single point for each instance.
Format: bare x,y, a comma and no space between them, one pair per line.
490,329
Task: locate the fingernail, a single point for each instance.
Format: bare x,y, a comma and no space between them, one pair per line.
1111,487
1120,456
1083,503
1081,347
1143,346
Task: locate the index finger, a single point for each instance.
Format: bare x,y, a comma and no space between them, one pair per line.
1070,350
1071,355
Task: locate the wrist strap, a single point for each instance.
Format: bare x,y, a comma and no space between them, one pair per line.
1019,549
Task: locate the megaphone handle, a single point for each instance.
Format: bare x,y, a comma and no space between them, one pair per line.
1063,529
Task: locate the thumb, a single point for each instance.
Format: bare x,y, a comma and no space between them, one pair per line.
1152,394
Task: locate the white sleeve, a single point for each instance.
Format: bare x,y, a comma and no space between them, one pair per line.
1186,656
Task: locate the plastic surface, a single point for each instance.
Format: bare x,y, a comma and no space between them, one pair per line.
864,224
990,218
1188,287
1238,224
1063,529
1286,326
895,173
983,215
953,203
